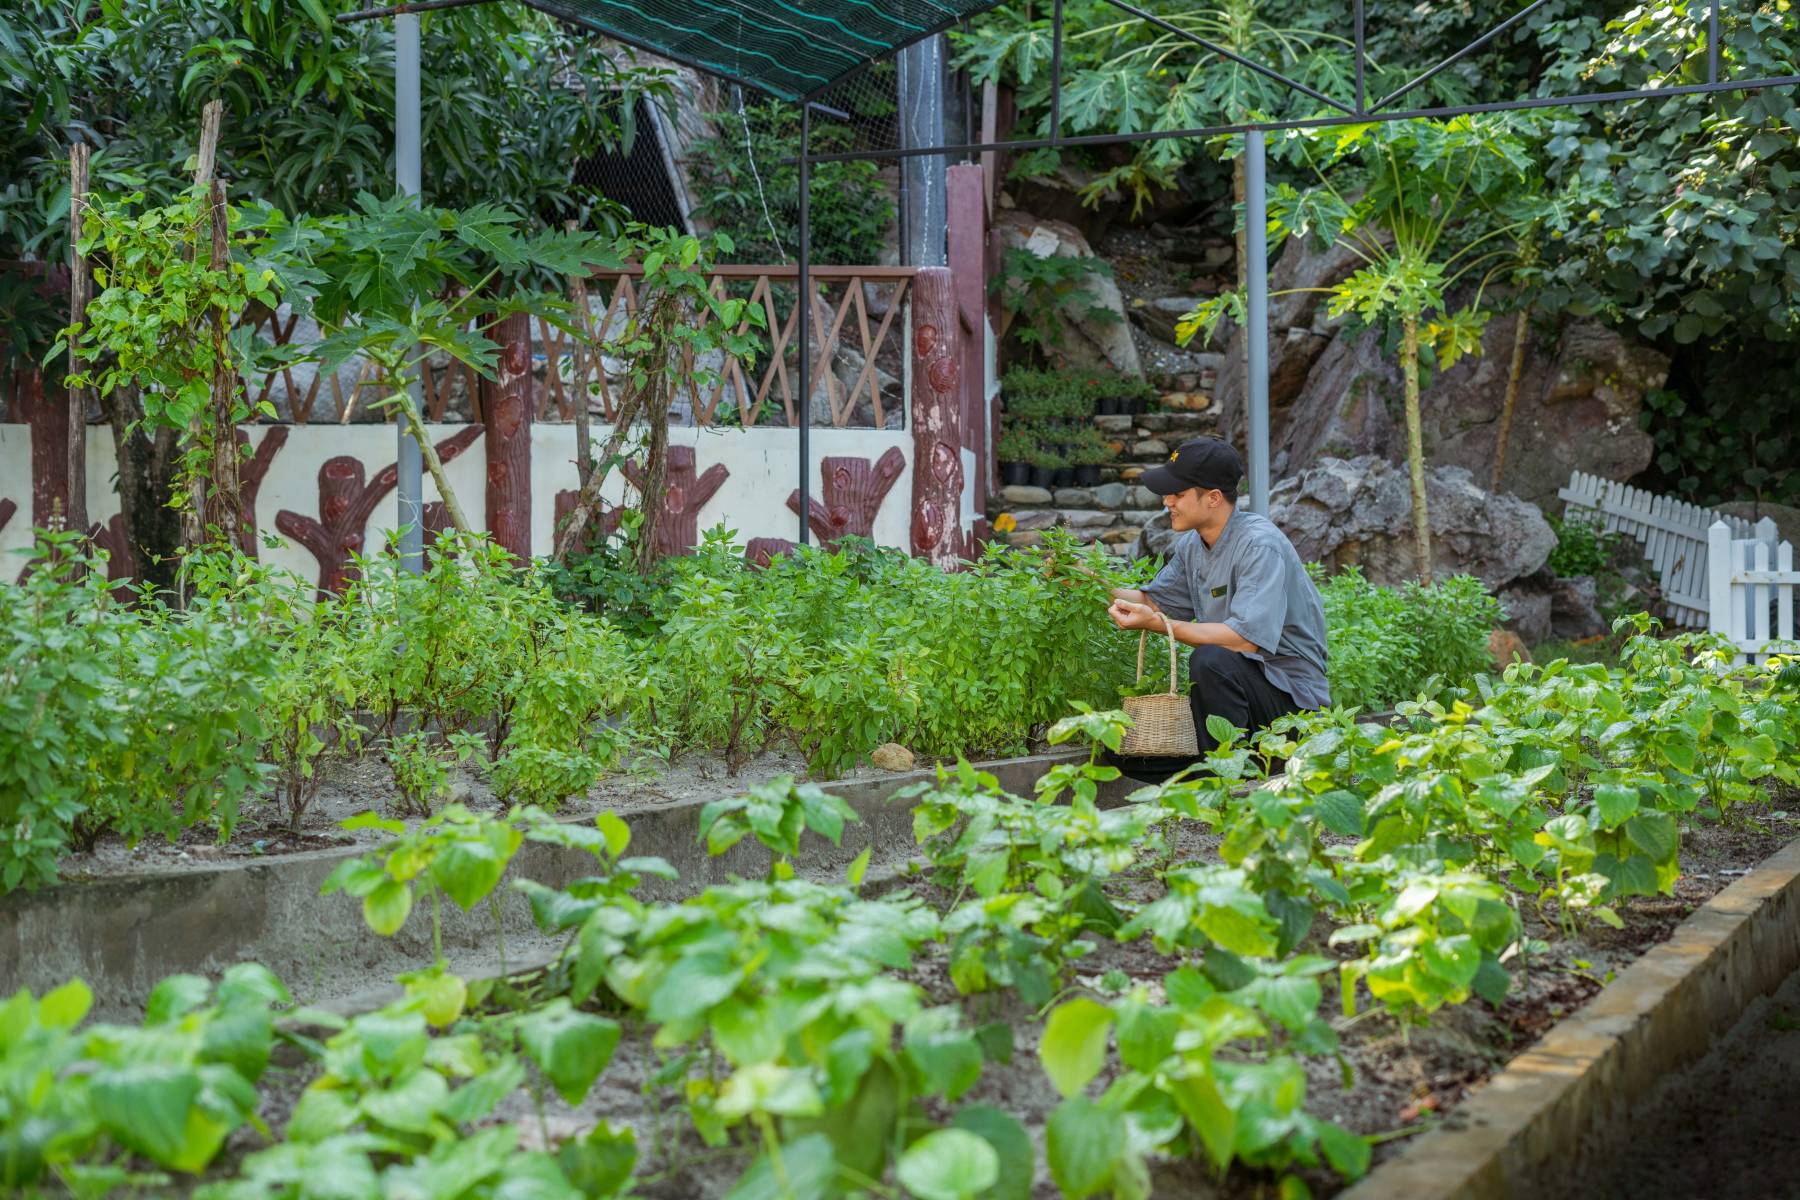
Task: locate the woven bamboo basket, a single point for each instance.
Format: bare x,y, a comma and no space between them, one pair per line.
1161,725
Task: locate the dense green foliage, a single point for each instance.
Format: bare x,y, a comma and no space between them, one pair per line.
748,186
511,100
790,1024
1388,645
478,665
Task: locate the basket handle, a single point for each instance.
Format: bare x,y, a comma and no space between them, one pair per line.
1143,636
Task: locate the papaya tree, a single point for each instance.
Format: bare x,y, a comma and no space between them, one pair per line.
1427,207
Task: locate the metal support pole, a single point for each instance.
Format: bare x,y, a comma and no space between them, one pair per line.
1362,97
1256,228
1056,30
1712,42
803,409
410,485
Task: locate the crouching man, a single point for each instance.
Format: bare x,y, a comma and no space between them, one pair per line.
1236,591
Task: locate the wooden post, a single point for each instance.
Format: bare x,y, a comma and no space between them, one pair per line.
49,421
223,506
966,243
195,519
506,409
80,291
937,449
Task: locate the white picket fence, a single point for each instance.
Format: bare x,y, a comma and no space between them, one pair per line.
1675,536
1752,599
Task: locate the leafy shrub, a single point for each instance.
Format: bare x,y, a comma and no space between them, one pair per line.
113,718
1583,546
1386,644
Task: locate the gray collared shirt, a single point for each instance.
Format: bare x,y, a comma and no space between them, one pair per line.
1252,581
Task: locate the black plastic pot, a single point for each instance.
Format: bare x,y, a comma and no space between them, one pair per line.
1065,477
1015,474
1044,477
1106,406
1087,475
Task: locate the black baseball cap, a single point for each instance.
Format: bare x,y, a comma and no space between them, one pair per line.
1204,462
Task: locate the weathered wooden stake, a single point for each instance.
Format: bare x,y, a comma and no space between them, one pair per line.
80,291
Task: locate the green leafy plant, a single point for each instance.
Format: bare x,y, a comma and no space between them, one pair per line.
1040,293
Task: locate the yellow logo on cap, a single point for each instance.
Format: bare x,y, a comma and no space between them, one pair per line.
1175,456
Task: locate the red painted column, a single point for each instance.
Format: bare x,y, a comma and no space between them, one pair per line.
966,248
506,408
48,417
936,409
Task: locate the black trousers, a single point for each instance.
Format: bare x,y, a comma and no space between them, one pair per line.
1227,685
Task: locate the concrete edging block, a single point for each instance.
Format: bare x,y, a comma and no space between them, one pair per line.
123,934
1658,1016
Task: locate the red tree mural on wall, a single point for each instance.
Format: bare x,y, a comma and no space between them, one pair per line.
854,489
678,508
251,473
345,505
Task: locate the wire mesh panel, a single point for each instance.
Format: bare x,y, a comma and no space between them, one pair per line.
792,49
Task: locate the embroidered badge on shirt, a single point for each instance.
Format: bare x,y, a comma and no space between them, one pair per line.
1218,591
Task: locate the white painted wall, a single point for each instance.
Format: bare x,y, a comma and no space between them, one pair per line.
752,501
15,485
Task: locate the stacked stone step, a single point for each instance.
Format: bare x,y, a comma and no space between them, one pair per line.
1115,512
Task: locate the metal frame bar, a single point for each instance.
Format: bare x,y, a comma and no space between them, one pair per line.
803,403
1214,47
401,10
1056,40
1362,100
1467,50
1108,139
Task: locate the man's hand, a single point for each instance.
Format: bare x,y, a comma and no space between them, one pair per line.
1127,614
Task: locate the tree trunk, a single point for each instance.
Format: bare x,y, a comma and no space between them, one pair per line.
1512,398
1415,452
587,354
506,410
145,467
433,464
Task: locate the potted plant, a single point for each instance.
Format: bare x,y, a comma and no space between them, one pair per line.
1046,467
1088,456
1014,450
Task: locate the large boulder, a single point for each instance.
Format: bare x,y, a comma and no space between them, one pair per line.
1095,332
1785,516
1580,392
1299,331
1358,512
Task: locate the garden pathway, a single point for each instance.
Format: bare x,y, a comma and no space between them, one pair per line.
1728,1128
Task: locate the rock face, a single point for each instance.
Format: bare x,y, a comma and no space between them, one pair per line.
1580,391
1358,512
1088,341
1577,408
1299,332
1786,517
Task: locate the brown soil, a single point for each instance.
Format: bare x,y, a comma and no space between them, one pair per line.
365,784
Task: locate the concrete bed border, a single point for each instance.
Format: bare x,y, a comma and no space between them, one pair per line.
124,933
1578,1084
